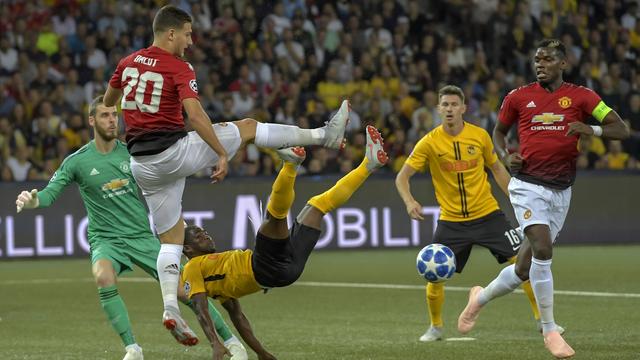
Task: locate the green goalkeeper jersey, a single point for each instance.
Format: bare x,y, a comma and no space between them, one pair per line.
108,189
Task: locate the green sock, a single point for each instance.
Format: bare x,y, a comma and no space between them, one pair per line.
116,311
221,326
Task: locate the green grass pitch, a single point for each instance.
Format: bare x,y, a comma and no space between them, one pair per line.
50,310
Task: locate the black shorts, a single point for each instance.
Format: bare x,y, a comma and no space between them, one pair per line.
493,232
280,262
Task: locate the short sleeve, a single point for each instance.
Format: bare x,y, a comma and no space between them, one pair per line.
508,113
419,157
116,78
489,153
592,105
192,279
186,84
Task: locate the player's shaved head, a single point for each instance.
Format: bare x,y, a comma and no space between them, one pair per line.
170,17
555,44
190,233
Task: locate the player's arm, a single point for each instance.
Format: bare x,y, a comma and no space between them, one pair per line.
243,326
613,127
502,176
111,96
512,161
202,125
201,306
34,199
414,209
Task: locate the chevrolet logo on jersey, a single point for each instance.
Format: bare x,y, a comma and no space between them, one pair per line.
547,118
115,184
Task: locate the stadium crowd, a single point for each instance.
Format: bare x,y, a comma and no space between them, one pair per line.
292,61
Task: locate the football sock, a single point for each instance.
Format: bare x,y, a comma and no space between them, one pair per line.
526,287
282,136
542,284
168,266
506,282
435,300
218,321
116,311
282,193
342,190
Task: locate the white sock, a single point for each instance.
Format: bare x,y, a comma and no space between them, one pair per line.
133,346
542,285
506,282
232,340
169,274
278,136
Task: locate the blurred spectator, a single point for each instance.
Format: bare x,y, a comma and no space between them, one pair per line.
615,158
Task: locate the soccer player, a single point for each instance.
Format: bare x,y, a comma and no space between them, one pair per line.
456,154
280,254
155,85
549,114
119,233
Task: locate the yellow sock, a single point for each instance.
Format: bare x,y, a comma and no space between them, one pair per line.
526,287
342,190
435,300
282,193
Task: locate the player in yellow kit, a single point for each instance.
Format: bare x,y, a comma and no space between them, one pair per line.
280,254
456,154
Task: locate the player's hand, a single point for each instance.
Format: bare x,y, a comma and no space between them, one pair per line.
577,128
514,162
27,200
266,356
220,170
414,209
220,351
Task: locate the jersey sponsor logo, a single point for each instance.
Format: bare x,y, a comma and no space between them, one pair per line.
458,165
124,166
531,104
471,149
193,85
527,214
547,120
94,171
564,102
115,184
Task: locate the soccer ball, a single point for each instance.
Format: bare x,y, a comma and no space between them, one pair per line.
436,263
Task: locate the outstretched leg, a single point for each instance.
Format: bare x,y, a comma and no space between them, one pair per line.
279,136
340,193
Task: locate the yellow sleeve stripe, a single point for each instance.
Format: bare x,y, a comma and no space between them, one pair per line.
600,111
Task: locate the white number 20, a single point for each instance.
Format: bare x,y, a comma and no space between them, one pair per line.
133,79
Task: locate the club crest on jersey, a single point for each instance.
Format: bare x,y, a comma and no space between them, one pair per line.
564,102
124,166
471,149
187,287
527,214
193,85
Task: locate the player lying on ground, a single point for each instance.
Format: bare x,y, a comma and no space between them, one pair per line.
155,85
280,254
118,232
457,154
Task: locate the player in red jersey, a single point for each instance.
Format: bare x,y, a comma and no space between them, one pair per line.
549,114
155,85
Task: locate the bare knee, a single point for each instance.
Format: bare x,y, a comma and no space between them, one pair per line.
274,228
247,128
104,274
311,217
522,270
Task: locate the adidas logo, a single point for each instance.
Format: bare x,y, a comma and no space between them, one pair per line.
94,172
172,269
531,104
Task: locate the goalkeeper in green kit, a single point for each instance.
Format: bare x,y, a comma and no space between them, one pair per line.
119,233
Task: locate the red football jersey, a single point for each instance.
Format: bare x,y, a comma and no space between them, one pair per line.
542,117
154,83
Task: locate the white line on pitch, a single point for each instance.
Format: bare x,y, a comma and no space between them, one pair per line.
324,284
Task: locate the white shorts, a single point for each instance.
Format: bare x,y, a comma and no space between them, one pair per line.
537,204
161,177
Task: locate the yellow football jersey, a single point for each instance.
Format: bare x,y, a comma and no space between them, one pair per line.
221,276
457,170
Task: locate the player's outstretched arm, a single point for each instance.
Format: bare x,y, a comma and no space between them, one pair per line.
202,125
27,200
243,326
414,209
201,307
111,96
502,176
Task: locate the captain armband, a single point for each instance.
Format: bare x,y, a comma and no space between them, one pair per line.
600,111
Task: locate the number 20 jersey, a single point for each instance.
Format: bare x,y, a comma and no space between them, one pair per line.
154,83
